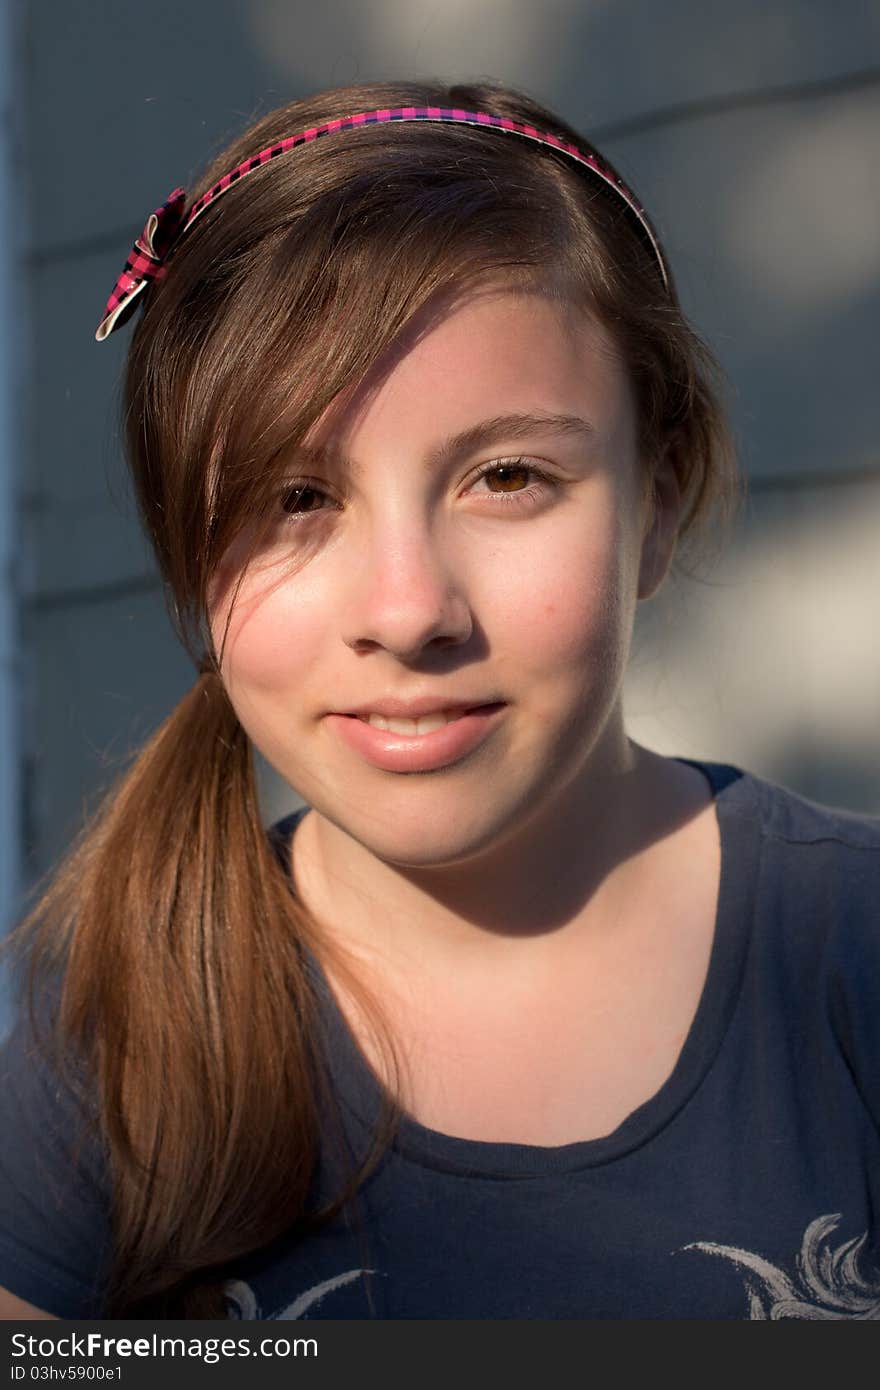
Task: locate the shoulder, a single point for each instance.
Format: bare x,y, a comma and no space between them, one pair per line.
807,851
279,834
787,816
804,878
825,857
810,914
55,1188
794,819
796,860
49,1108
816,897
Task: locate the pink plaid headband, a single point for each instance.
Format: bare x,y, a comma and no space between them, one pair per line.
148,258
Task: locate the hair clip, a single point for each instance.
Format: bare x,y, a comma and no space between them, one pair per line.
145,261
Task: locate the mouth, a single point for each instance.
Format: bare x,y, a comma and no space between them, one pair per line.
434,740
415,728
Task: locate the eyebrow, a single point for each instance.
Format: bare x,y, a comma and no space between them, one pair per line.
477,436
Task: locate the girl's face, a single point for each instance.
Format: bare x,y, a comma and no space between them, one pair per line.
473,531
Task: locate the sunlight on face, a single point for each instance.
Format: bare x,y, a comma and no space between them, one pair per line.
436,543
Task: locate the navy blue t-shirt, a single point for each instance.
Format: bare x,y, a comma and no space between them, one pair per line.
748,1186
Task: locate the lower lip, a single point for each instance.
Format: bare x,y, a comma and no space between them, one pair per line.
417,752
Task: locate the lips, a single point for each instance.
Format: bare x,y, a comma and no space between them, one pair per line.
392,707
426,724
444,744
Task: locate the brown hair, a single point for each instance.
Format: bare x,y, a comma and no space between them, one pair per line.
179,944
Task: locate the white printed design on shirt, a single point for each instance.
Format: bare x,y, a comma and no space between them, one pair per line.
243,1299
827,1284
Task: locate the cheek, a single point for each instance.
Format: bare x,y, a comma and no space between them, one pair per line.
273,644
566,608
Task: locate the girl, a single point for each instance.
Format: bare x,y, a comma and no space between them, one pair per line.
516,1018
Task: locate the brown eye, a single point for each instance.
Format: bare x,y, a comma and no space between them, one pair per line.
301,498
510,476
515,481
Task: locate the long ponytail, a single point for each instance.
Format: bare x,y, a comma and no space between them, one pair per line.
186,1002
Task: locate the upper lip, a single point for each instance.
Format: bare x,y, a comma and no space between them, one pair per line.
414,709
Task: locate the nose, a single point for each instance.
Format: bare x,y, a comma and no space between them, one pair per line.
406,593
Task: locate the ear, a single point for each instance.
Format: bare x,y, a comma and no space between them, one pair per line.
662,515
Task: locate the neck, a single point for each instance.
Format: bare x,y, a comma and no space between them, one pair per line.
567,870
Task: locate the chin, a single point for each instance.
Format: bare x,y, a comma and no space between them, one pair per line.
436,847
423,837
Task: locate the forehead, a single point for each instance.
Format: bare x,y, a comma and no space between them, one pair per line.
493,353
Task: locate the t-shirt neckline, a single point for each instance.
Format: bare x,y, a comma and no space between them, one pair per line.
360,1092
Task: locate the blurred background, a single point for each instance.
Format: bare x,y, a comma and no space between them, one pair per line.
751,131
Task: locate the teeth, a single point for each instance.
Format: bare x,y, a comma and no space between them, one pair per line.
426,725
